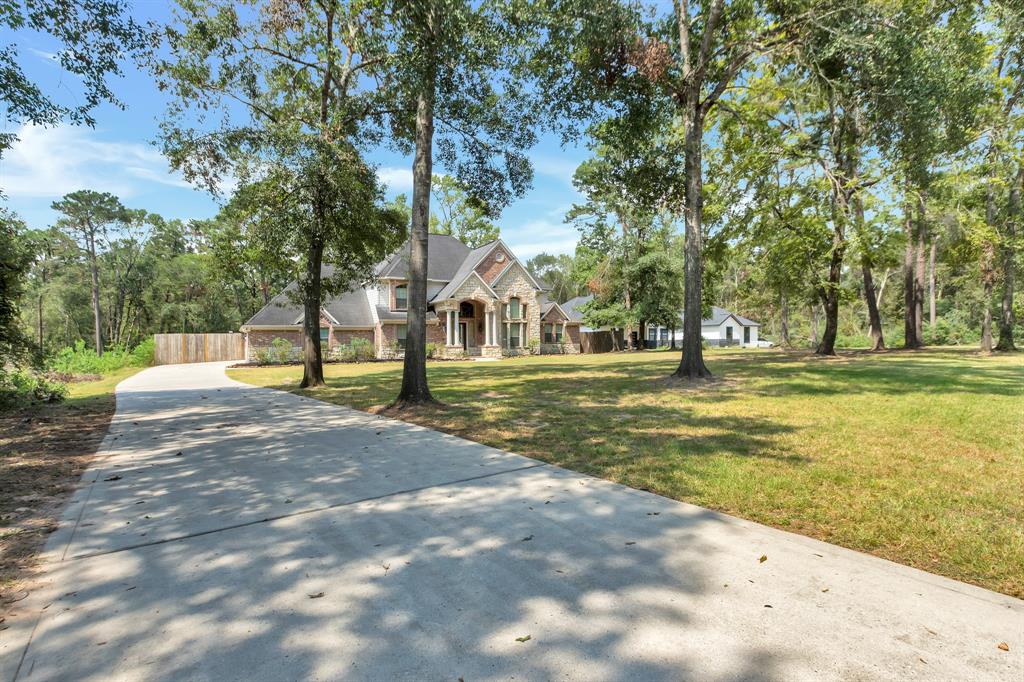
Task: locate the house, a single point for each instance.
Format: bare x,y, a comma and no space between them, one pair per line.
722,328
480,302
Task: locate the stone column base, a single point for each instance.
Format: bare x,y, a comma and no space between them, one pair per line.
490,351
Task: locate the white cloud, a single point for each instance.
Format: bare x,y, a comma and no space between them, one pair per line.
50,162
536,236
561,167
397,179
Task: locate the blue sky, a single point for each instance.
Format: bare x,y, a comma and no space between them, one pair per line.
118,156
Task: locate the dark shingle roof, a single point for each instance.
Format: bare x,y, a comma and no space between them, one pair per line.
444,256
573,305
467,266
350,309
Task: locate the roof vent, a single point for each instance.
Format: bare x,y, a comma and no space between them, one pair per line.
499,257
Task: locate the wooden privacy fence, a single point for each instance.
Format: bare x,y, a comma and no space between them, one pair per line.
173,349
601,341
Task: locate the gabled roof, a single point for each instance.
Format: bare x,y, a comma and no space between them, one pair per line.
453,286
573,305
515,261
720,315
467,267
350,309
551,305
444,256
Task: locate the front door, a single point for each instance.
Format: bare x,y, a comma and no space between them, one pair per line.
462,335
728,335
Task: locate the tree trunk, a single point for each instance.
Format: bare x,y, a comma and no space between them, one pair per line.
931,284
829,293
910,337
691,364
814,325
919,270
312,363
627,291
414,375
874,318
784,321
988,273
95,273
1006,318
673,341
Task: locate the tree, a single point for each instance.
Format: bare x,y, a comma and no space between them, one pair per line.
15,260
559,272
458,65
87,217
459,215
95,36
292,87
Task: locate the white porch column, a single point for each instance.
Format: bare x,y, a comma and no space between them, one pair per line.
448,328
487,328
458,331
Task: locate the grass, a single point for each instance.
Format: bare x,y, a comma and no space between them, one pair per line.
43,451
915,457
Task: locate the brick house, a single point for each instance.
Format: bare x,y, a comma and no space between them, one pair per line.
480,302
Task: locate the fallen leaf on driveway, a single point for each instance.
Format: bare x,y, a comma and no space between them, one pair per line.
631,542
1004,646
525,638
316,595
112,478
764,558
527,538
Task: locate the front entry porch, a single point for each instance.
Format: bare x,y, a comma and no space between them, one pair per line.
470,329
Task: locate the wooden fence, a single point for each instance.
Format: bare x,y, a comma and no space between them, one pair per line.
601,341
173,349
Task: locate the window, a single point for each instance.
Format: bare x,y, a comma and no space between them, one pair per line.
728,334
325,334
558,333
515,334
549,333
401,297
400,331
746,335
513,308
466,309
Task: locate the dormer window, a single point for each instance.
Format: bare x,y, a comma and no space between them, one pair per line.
401,297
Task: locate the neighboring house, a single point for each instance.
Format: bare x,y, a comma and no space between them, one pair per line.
480,302
723,328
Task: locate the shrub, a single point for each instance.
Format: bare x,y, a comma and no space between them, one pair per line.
19,387
953,328
143,354
533,346
359,350
362,350
282,351
81,360
431,350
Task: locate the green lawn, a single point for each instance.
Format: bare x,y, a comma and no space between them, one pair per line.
915,457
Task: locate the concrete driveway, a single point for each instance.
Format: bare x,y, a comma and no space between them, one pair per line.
228,532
